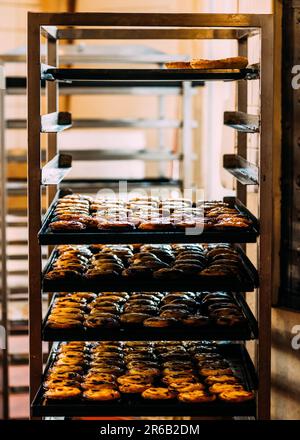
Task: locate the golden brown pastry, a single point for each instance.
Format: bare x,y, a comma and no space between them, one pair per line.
134,318
210,380
58,383
102,394
198,396
218,388
63,392
68,375
94,384
159,322
206,372
135,379
236,396
129,388
64,323
158,393
144,370
178,65
184,387
102,321
57,369
196,321
65,225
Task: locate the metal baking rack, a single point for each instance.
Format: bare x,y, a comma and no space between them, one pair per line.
126,406
98,26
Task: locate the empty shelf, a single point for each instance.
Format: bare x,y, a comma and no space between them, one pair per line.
244,171
242,122
92,154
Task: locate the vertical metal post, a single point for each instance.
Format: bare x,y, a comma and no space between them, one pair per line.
266,220
52,106
4,409
34,202
187,139
161,134
242,107
160,131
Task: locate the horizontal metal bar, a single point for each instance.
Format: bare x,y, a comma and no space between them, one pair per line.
19,389
56,169
49,32
103,89
87,155
19,155
246,33
179,20
20,257
110,123
139,123
98,53
147,34
17,242
244,171
134,89
94,185
16,186
15,224
55,122
17,272
242,122
17,86
44,72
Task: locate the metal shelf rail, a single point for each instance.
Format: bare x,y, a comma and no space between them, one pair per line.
58,26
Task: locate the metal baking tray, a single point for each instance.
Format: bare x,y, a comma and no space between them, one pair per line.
199,75
245,283
249,235
244,332
137,406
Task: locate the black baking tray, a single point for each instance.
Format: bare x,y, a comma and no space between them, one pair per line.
236,354
246,331
244,283
249,235
96,74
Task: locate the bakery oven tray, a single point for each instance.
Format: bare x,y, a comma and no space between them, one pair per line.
129,406
249,235
151,75
247,331
244,283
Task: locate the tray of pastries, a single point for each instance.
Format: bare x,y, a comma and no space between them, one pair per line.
81,219
148,315
154,378
149,267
